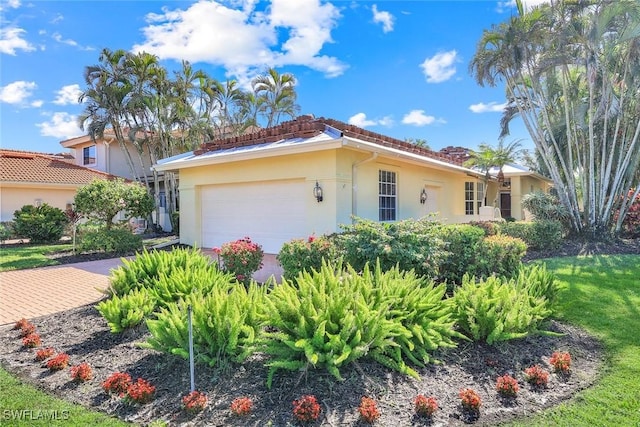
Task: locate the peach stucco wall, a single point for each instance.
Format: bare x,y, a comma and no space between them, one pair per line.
14,197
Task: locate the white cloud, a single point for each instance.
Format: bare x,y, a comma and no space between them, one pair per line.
68,95
57,19
384,18
360,120
492,107
440,67
58,37
37,103
506,5
419,118
11,40
242,39
14,4
17,92
61,125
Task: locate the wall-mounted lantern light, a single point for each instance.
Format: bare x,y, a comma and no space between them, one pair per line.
423,196
317,192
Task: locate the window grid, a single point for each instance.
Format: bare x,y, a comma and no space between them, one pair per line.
480,201
469,198
387,195
89,155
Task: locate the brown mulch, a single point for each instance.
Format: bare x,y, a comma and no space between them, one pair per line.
84,335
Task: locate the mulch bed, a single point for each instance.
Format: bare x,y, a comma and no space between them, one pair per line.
84,335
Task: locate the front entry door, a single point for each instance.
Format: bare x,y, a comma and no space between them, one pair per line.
505,205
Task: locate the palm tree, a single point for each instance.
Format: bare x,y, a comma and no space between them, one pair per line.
277,95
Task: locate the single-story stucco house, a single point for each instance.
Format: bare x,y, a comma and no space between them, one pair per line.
30,178
308,176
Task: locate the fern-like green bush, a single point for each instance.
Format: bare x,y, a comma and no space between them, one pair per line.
147,266
537,282
299,255
500,255
330,318
226,324
496,309
411,244
127,311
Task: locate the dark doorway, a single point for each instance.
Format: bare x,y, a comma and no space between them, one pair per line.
505,205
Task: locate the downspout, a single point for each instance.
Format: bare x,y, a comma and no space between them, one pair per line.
354,184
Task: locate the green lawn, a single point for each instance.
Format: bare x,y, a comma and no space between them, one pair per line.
602,294
18,257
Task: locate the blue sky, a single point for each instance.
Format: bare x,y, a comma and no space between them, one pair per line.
399,68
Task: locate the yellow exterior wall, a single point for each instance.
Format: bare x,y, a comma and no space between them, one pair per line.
14,197
333,171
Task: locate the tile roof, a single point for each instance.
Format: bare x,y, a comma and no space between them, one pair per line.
308,127
32,167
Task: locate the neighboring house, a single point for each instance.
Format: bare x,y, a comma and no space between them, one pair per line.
28,178
265,185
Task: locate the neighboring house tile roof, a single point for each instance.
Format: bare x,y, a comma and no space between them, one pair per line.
308,127
32,167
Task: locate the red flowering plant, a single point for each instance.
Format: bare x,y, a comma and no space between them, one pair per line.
32,340
81,372
306,408
425,406
368,410
20,324
561,361
117,383
241,406
140,391
44,354
536,376
195,401
58,362
470,400
299,255
241,258
507,386
27,329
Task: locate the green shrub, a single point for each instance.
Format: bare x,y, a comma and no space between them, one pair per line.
497,309
491,228
6,231
461,242
545,206
411,244
330,318
537,282
175,222
116,240
500,255
226,324
127,311
300,255
39,224
538,235
145,269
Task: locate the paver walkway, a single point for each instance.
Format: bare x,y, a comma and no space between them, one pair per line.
47,290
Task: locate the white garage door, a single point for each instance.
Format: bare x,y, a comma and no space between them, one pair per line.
270,213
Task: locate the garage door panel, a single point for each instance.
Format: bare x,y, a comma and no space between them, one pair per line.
270,213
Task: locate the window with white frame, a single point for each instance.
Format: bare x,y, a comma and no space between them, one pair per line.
469,198
89,155
480,195
387,195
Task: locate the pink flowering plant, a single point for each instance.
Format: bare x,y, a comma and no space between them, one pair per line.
561,361
241,258
300,255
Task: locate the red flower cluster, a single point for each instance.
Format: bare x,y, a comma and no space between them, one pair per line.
368,410
20,324
306,409
425,406
241,258
44,353
241,406
140,391
27,329
81,372
561,361
536,376
59,362
117,383
32,340
195,401
470,400
507,386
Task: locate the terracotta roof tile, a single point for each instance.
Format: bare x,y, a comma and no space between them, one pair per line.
308,126
25,166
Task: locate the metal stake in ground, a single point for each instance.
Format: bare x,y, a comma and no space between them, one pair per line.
191,367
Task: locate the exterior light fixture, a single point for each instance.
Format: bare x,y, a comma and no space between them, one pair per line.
423,196
317,192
